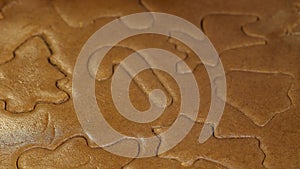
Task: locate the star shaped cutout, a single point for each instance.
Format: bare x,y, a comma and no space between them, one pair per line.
29,78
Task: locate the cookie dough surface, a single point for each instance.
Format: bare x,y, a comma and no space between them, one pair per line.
258,43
